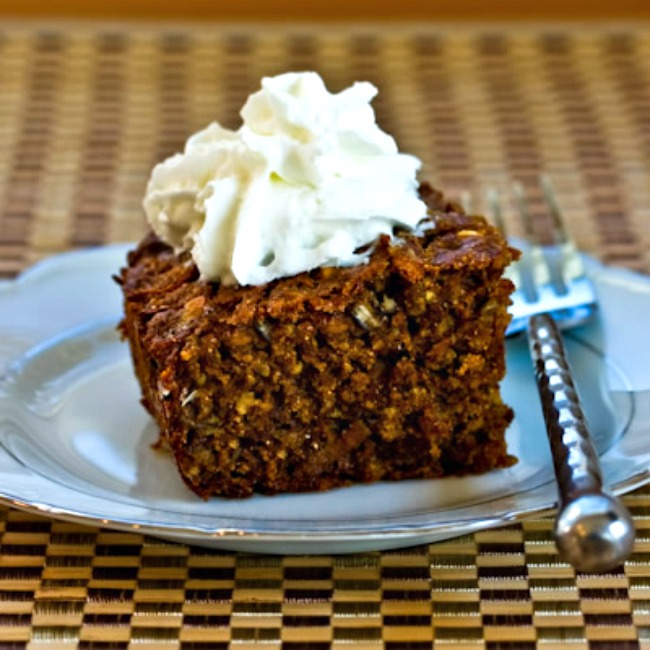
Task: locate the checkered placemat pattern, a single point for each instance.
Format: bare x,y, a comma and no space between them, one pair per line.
66,586
86,110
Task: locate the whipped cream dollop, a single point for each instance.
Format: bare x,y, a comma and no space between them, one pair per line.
307,180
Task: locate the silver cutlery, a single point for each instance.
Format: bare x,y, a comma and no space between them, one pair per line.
594,532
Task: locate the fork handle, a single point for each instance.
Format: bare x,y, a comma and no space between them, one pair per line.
593,531
575,460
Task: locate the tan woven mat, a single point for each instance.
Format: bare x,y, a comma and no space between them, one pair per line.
84,113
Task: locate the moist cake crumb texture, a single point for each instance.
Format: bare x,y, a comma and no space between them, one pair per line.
388,370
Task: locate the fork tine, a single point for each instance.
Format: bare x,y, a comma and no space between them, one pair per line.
571,262
559,229
548,261
531,266
521,274
522,207
513,272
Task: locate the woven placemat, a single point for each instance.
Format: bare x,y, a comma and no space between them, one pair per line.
85,111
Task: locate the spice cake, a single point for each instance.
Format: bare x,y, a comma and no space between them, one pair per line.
305,315
384,371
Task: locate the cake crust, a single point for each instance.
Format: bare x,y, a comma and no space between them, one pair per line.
387,370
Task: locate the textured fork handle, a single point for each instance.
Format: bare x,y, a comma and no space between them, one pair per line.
576,463
594,531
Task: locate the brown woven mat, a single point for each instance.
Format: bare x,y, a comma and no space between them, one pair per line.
84,113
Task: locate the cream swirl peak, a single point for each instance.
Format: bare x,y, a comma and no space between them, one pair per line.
307,181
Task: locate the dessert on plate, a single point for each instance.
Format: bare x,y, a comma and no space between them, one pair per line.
305,314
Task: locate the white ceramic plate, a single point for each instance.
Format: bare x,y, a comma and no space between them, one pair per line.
75,443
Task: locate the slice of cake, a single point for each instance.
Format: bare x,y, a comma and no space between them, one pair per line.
283,344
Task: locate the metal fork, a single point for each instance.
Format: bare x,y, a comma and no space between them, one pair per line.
593,530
